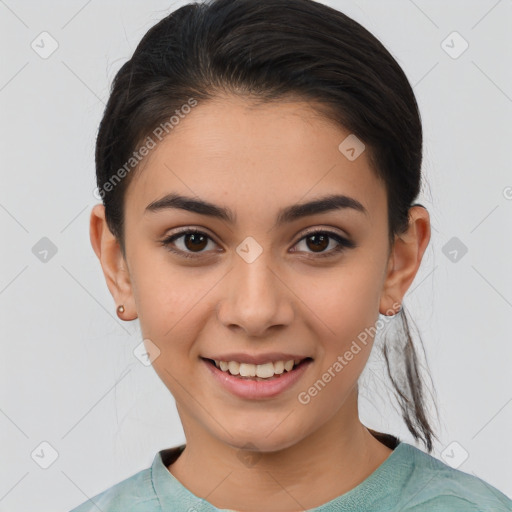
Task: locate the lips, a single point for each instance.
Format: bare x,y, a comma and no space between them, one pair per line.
254,388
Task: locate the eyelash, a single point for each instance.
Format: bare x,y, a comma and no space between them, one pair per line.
343,243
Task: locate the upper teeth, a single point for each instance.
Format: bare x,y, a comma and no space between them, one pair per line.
256,370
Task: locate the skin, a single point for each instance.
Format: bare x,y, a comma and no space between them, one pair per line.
236,155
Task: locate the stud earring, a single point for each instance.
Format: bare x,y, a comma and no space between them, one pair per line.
120,310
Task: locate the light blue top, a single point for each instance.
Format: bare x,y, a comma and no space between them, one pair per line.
409,480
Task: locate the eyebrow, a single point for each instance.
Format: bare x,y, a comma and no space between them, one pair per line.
287,214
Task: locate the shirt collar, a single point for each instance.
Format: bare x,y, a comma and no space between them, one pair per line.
171,492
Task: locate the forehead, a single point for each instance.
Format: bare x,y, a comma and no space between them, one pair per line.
231,151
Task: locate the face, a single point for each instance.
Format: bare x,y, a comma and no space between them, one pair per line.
263,279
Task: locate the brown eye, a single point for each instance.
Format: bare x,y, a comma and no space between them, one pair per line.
189,243
318,241
195,241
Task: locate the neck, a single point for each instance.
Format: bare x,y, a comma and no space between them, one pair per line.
340,455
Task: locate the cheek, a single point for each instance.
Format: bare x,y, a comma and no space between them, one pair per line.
164,296
346,301
173,303
344,312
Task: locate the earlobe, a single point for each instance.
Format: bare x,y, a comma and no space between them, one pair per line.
112,261
405,259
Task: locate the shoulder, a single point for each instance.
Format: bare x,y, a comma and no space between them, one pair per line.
434,486
133,494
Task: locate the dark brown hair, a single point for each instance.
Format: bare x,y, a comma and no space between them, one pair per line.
270,50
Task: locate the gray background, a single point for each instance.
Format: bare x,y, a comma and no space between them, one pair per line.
68,374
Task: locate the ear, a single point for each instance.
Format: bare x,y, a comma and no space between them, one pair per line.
113,263
404,260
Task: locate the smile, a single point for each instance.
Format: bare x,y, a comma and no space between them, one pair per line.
263,371
246,381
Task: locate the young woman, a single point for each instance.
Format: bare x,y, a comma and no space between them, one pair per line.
258,164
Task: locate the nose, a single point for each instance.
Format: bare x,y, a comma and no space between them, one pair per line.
255,297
